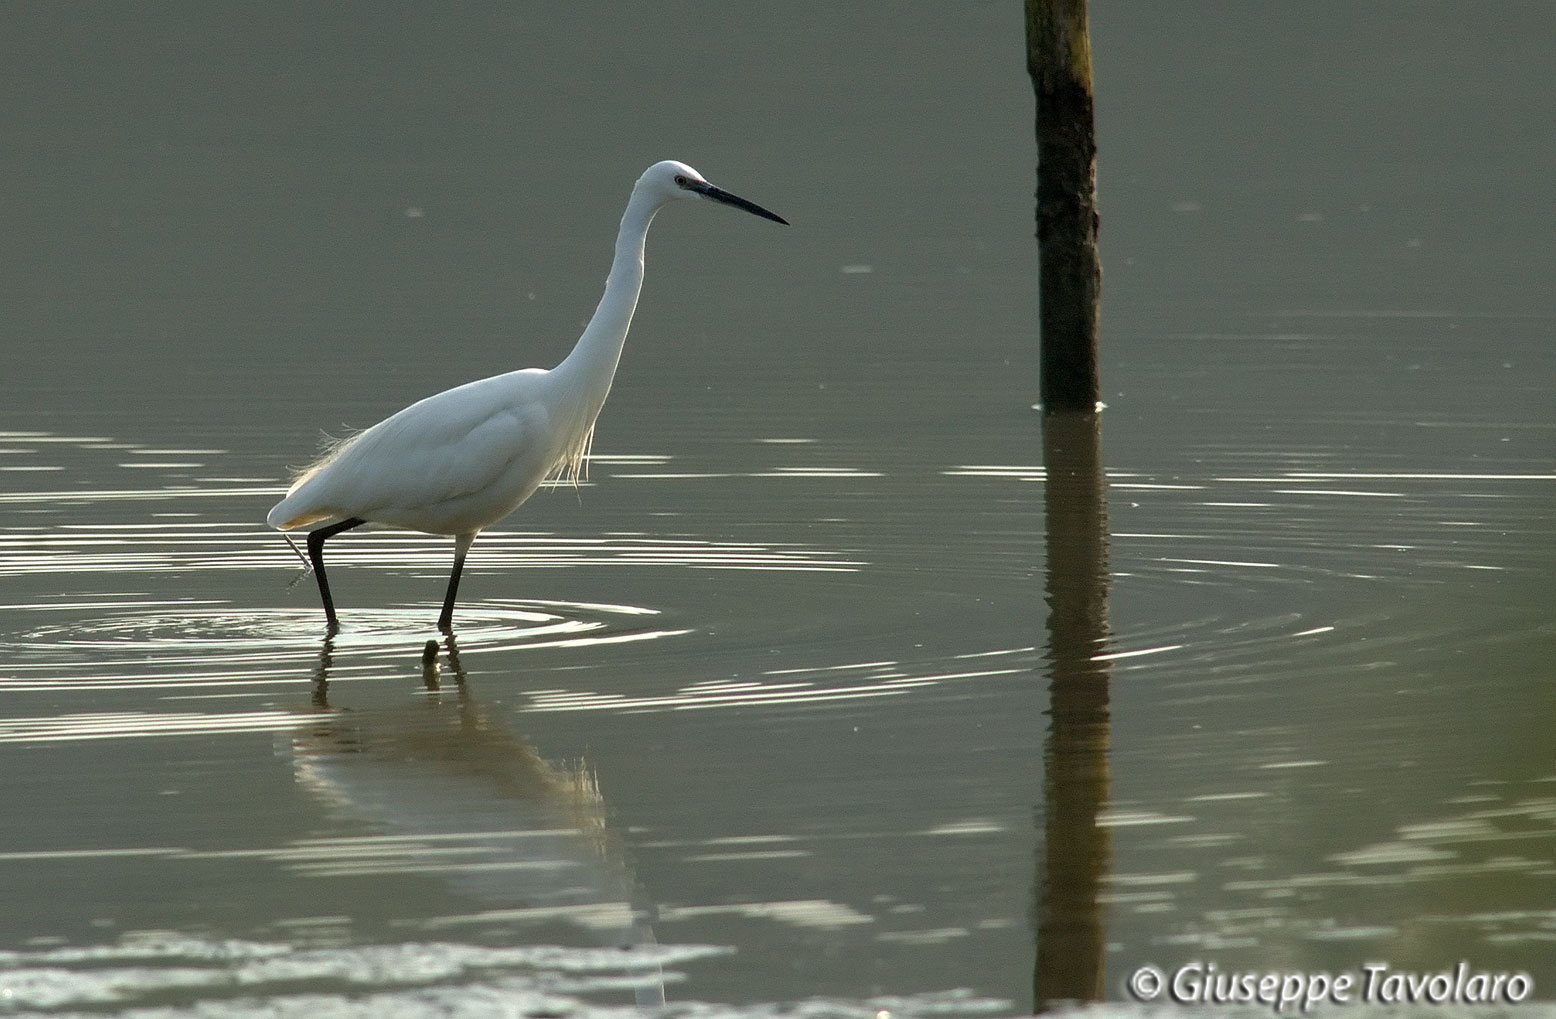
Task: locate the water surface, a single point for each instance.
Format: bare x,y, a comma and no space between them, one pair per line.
759,718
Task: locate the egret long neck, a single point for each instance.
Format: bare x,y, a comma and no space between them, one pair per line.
589,369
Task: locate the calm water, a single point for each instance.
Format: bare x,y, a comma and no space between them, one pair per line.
826,694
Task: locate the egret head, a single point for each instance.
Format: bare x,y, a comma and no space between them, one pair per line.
670,180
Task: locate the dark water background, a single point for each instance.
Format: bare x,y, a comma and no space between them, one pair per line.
767,698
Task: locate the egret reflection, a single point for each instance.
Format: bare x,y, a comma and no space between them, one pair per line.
447,791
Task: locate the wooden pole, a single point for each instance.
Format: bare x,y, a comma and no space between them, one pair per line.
1069,269
1070,959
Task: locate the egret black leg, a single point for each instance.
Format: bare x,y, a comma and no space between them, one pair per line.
316,540
461,547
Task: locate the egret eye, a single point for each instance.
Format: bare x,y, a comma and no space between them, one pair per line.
681,180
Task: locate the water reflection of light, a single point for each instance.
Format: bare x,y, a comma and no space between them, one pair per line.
1116,656
234,977
778,472
190,545
133,724
1017,472
44,437
1417,476
816,913
827,683
82,497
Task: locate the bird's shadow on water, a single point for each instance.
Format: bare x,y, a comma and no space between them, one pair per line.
522,839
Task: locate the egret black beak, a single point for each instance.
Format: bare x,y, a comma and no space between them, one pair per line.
718,194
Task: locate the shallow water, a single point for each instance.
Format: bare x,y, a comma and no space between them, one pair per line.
835,688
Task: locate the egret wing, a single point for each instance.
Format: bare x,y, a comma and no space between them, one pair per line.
450,464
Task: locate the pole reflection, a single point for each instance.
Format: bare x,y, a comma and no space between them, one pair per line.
1076,851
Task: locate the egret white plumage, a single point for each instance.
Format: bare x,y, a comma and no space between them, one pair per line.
458,462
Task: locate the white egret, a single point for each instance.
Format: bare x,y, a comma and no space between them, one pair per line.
457,462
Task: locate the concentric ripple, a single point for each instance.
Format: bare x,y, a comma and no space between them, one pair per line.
188,647
1252,567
